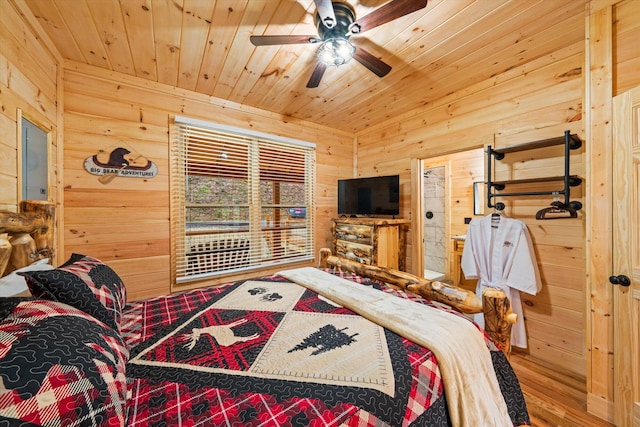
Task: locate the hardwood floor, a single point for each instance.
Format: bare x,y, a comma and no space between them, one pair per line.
553,399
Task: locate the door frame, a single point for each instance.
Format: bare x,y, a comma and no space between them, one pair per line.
417,222
418,166
448,248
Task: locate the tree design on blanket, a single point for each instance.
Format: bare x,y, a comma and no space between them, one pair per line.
325,339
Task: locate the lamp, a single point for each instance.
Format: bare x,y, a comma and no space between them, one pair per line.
335,51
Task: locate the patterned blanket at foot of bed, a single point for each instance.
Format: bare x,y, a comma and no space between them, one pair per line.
267,352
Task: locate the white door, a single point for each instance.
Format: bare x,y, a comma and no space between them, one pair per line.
625,277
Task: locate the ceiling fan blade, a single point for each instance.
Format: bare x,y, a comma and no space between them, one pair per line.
377,66
390,11
273,40
327,15
316,76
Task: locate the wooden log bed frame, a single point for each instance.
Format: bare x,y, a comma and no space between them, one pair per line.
28,235
498,316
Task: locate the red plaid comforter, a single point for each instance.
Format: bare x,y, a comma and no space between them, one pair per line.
184,370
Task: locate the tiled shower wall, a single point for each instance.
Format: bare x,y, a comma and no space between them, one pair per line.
434,220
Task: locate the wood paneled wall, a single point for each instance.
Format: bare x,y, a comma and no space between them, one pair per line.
538,100
614,59
626,52
555,318
30,87
128,225
126,222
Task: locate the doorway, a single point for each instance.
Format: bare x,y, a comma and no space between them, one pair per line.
434,230
451,179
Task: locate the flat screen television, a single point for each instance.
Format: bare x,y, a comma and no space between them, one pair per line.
379,195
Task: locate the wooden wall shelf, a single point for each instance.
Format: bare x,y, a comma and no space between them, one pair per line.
574,143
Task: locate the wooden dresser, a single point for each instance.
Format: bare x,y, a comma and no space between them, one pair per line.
373,241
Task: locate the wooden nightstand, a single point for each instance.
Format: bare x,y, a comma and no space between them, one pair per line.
458,275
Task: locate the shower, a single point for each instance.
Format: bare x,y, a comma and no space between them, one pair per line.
434,219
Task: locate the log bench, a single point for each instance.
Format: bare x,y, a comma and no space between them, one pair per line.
218,254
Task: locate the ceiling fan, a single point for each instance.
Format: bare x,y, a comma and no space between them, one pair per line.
336,23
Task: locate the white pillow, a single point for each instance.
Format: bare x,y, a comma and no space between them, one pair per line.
15,285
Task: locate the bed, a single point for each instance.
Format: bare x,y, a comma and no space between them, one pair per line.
299,348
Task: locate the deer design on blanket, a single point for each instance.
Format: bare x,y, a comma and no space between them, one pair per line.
223,334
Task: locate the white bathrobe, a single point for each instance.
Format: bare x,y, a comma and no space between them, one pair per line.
501,256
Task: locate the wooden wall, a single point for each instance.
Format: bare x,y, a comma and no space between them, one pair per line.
127,223
28,81
626,51
538,100
614,60
30,76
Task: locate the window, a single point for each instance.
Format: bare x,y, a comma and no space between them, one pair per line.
239,199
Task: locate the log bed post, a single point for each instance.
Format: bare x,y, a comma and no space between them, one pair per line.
23,250
498,317
5,251
494,304
31,233
43,234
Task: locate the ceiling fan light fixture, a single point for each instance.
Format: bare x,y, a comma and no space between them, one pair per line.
335,51
336,21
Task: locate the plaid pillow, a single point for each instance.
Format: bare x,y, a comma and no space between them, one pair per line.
59,366
85,283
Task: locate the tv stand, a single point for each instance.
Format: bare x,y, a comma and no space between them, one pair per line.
373,241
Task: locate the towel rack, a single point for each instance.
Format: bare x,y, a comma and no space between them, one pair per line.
570,141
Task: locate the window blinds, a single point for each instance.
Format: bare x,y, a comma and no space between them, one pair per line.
239,199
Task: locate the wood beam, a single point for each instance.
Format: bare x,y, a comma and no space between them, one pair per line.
599,216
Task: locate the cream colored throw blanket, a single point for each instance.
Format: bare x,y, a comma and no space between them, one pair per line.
473,394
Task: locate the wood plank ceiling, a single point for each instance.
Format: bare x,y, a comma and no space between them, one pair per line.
203,45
